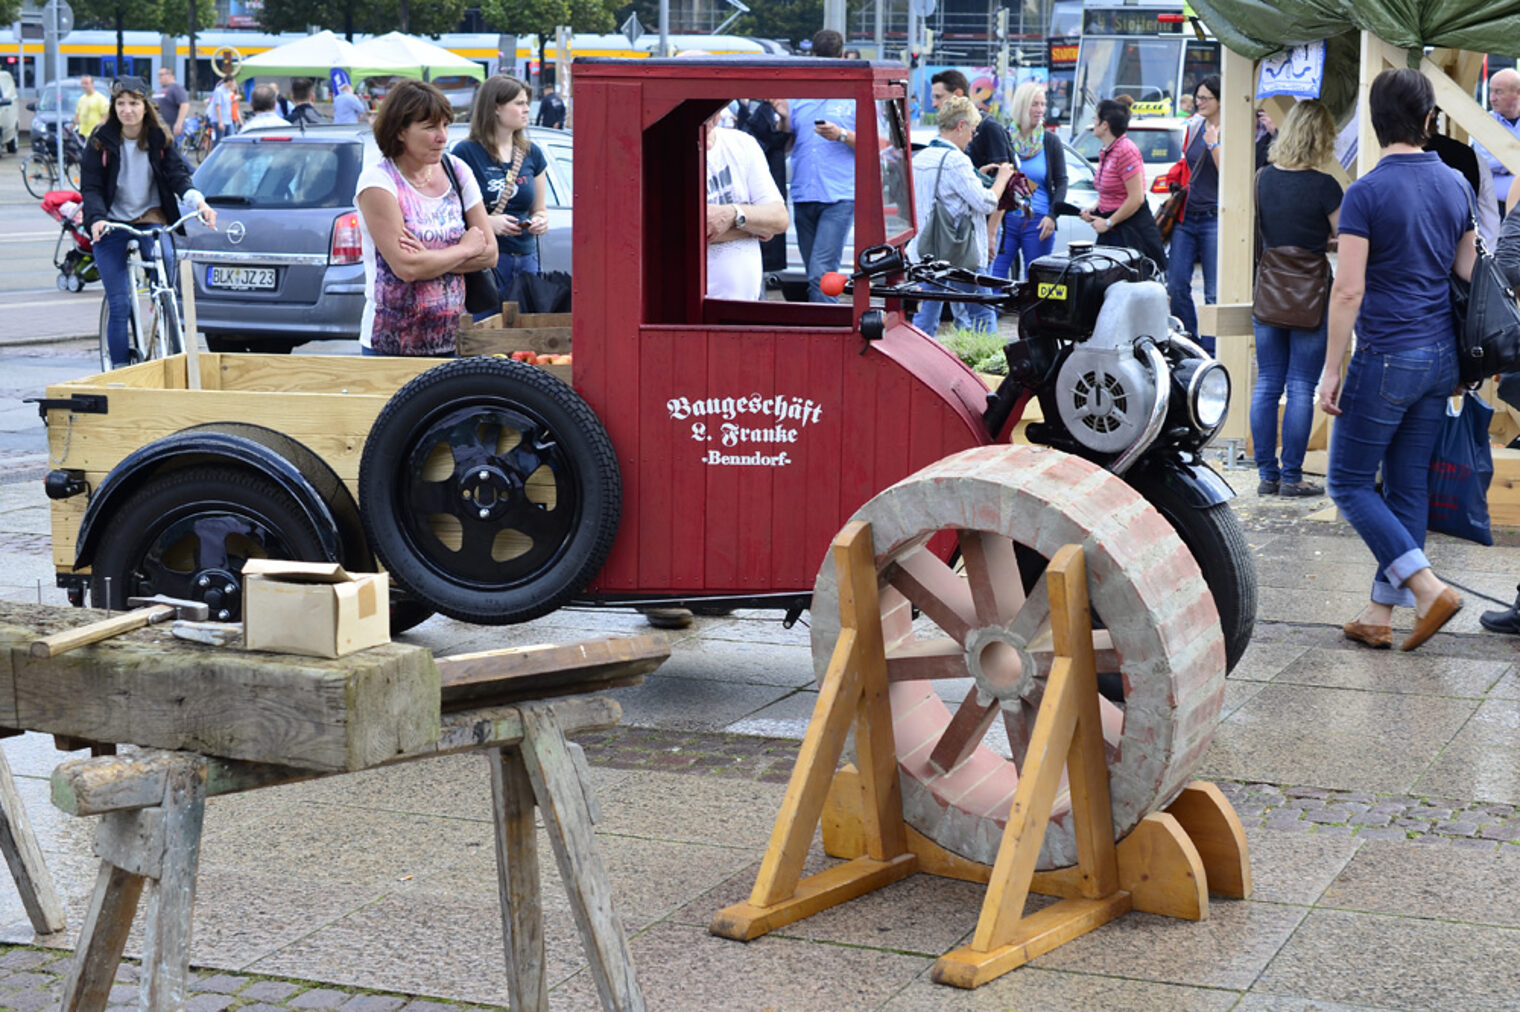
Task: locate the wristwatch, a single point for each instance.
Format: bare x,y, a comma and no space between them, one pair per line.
1108,223
739,219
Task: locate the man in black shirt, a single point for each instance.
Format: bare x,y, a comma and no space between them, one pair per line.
551,110
302,111
759,119
990,144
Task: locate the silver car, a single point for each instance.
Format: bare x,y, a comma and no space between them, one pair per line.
284,265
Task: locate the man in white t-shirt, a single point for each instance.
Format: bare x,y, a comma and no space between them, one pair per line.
743,208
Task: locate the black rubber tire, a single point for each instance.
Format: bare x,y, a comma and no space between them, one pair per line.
71,172
1218,544
144,543
407,612
459,405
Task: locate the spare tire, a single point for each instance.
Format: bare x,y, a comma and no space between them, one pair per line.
490,490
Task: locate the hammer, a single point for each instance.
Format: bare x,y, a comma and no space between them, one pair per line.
147,611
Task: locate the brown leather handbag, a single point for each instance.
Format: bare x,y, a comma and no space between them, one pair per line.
1292,287
1292,283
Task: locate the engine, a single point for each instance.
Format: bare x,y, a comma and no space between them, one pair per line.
1104,391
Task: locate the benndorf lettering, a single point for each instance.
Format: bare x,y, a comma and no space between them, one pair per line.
747,459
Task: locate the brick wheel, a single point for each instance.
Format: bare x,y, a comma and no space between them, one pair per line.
978,636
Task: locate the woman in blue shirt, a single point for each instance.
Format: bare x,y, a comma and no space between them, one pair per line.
1404,227
510,171
1040,156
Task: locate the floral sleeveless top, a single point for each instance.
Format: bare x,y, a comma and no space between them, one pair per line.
419,317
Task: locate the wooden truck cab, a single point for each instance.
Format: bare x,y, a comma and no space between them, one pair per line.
746,432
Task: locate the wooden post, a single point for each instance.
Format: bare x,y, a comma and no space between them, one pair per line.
24,857
517,873
854,688
1237,231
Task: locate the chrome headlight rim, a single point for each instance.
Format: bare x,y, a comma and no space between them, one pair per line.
1208,368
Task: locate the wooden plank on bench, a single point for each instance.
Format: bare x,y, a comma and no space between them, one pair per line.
494,677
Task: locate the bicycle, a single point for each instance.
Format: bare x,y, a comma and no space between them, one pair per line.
154,330
40,171
195,142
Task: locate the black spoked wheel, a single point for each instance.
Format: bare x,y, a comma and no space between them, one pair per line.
37,174
186,534
490,490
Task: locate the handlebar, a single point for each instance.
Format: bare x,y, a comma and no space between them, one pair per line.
927,279
150,231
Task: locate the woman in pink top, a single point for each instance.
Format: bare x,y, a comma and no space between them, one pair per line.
1121,217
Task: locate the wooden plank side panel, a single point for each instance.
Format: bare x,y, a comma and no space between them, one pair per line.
608,295
856,456
789,504
720,547
321,374
686,519
659,467
898,412
752,362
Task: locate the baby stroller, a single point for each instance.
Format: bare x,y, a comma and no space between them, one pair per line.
75,259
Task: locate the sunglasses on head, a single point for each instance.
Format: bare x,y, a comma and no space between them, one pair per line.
135,85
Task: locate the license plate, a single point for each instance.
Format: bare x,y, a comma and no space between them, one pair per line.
242,278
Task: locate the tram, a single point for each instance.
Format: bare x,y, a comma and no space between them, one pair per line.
94,51
1154,51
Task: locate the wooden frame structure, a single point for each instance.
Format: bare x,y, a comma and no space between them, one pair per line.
1165,866
152,805
1453,73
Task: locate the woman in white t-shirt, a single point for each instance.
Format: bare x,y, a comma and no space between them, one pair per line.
423,227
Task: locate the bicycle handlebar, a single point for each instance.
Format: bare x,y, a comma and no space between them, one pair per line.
115,226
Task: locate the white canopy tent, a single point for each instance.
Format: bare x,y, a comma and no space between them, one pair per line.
316,55
415,58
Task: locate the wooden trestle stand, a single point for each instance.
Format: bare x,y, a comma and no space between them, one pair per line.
1167,865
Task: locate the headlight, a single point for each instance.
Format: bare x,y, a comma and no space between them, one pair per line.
1208,396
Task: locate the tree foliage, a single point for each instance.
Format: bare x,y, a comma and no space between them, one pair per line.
135,15
416,17
174,15
10,10
526,17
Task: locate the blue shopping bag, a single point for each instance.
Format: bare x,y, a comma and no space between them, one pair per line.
1461,467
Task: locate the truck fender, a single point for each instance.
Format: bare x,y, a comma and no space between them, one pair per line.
298,471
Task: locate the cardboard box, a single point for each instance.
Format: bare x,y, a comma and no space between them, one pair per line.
313,608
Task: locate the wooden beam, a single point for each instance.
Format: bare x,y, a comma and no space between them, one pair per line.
1237,225
1372,64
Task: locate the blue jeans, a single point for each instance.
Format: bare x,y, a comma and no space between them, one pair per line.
1195,238
508,267
968,316
1020,239
1391,405
111,260
821,231
1290,359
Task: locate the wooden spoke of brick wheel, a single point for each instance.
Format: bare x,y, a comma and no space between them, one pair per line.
978,629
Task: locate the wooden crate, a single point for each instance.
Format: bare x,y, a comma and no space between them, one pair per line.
148,688
509,331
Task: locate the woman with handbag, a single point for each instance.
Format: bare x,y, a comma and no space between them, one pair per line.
1195,236
1404,228
509,169
1297,207
1041,157
952,207
421,229
1121,217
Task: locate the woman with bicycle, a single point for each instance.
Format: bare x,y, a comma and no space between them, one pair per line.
133,174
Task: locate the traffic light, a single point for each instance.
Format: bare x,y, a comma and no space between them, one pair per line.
1002,23
928,47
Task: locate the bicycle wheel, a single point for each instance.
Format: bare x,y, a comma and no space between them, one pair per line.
168,336
71,170
37,173
134,344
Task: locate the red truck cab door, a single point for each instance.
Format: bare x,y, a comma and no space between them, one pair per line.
747,432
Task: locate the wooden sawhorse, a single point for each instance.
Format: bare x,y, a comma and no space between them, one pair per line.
153,803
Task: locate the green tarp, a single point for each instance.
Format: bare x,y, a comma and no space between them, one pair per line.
1257,28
